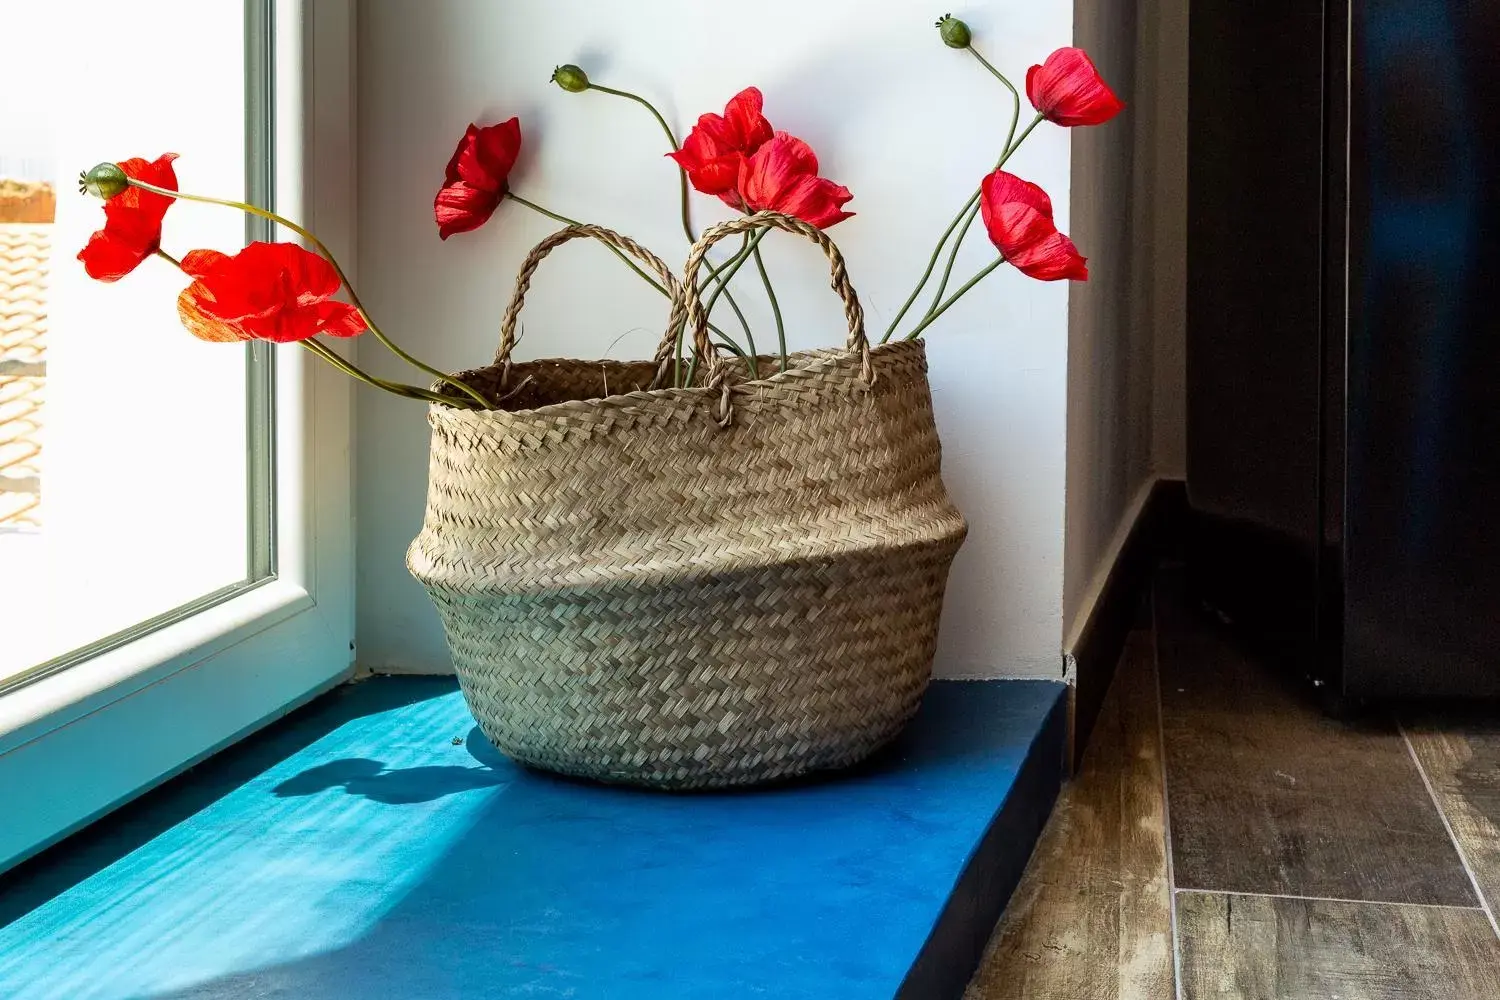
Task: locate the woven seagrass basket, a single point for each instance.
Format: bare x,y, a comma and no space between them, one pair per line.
718,585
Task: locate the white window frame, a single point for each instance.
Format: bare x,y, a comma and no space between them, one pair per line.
78,743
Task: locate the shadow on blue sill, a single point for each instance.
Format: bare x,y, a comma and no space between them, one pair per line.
355,850
130,827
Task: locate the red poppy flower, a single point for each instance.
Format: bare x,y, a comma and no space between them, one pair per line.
267,291
132,221
1068,90
715,149
782,176
477,177
1018,215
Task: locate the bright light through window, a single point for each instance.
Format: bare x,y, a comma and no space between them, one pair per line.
124,491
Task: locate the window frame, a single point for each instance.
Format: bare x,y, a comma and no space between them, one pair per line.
79,742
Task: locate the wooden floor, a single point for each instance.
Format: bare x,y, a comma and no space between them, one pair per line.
1225,838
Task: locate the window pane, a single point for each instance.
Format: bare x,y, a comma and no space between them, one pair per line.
123,483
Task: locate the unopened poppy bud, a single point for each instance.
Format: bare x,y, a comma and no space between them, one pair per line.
571,78
104,181
955,33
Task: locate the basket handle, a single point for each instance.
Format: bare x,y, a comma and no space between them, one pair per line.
697,315
608,237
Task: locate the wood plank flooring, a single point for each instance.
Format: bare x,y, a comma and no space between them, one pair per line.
1097,885
1225,839
1269,795
1309,949
1463,765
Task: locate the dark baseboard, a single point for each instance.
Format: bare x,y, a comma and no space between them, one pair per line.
1157,533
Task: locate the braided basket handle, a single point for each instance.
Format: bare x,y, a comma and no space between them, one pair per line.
697,315
610,238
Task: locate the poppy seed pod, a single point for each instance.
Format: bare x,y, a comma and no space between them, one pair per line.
955,33
104,181
571,78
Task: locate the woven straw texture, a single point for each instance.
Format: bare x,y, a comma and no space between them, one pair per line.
691,587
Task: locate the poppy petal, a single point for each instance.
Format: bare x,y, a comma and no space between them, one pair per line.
744,124
1068,90
201,262
782,176
1052,258
202,325
339,319
460,208
1018,217
108,258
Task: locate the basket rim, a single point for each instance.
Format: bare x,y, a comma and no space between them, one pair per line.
817,360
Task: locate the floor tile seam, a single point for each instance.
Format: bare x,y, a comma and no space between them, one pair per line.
1328,899
1166,802
1437,803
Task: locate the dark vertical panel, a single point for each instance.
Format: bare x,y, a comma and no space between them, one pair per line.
1423,410
1253,352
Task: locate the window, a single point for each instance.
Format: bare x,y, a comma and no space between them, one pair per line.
175,560
135,484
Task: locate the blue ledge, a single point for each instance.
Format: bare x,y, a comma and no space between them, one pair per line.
356,851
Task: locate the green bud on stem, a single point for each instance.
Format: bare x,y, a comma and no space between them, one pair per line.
571,78
955,33
104,181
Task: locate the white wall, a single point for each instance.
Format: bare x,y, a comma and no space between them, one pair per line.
1126,326
909,125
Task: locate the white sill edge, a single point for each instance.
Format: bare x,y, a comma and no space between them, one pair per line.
47,704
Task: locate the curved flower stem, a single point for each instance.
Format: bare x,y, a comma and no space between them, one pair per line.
931,266
687,220
760,265
1010,146
327,254
574,222
970,210
398,388
729,269
625,258
1015,114
973,211
348,368
934,314
682,183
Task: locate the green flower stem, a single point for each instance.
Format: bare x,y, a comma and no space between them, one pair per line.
624,257
682,183
973,212
967,214
613,249
930,317
687,220
399,389
931,266
972,209
729,270
732,266
1015,115
327,254
760,265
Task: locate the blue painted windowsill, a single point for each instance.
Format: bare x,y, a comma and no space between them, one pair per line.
356,851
